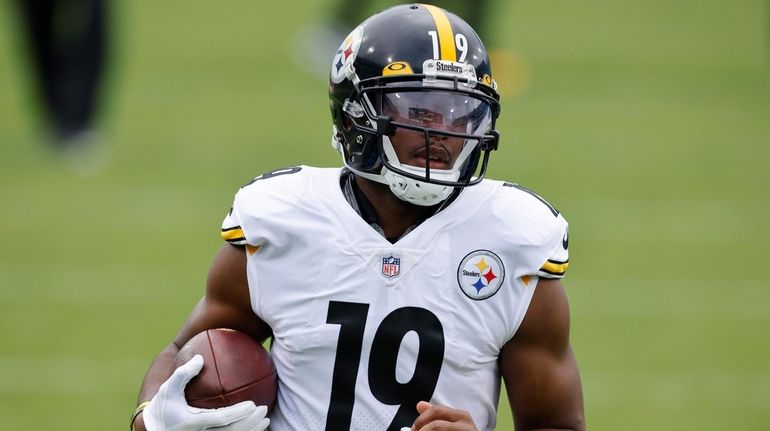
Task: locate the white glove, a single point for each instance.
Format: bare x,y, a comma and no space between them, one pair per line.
168,409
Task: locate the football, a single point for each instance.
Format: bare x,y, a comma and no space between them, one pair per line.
235,368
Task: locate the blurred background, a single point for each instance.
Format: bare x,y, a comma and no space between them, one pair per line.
646,123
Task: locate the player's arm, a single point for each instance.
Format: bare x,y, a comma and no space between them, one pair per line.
226,304
539,369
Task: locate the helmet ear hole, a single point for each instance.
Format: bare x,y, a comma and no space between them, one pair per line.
347,122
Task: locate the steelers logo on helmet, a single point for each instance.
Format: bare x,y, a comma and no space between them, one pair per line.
346,54
480,274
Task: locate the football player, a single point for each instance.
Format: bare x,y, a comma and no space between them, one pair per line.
399,288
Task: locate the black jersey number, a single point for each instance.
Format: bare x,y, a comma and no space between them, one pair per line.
351,317
275,173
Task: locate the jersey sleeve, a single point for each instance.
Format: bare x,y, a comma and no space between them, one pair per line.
261,207
536,229
232,231
240,226
558,261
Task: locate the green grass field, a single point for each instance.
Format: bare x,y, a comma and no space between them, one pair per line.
646,123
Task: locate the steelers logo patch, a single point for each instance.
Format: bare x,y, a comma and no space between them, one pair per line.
480,274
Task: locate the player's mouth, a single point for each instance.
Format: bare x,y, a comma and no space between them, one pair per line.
438,158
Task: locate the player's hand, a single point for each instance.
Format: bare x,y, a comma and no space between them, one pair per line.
168,409
441,418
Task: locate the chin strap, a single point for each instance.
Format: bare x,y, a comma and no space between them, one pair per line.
416,192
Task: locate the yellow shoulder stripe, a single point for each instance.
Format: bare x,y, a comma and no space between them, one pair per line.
446,37
555,268
231,234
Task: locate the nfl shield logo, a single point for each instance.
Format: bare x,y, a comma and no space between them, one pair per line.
391,266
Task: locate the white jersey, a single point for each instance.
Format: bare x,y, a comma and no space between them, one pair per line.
364,329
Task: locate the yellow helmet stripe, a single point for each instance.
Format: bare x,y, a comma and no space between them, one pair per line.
446,37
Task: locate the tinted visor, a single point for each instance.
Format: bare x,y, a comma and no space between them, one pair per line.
439,110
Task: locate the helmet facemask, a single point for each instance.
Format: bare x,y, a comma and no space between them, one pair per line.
442,129
437,63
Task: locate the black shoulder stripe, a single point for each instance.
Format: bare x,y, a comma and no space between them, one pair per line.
553,210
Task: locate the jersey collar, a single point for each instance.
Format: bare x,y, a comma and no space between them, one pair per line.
364,208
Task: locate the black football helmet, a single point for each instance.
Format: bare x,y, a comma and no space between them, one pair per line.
419,68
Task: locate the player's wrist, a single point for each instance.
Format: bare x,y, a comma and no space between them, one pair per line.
137,419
